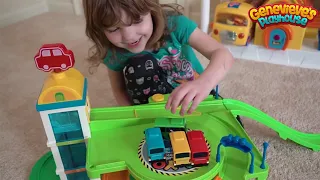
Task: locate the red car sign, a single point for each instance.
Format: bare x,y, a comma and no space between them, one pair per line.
54,57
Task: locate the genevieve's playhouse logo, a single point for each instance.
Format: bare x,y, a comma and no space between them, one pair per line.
293,14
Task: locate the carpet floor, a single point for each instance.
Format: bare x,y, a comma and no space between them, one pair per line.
289,94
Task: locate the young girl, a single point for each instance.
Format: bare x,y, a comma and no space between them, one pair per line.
147,48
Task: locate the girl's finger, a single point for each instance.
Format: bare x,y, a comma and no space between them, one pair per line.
177,99
195,103
168,105
186,101
170,99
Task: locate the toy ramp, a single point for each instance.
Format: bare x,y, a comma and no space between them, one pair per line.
242,109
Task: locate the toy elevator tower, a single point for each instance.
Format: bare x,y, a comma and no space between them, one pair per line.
64,108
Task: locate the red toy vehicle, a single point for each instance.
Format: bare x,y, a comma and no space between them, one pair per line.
54,57
198,147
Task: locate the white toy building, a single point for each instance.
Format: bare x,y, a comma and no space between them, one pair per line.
64,108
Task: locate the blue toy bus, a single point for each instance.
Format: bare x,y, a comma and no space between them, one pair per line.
155,144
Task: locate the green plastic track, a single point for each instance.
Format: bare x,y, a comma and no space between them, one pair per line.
311,141
117,131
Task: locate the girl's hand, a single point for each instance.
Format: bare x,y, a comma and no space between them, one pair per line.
193,91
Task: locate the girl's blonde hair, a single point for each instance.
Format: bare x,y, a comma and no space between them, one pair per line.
102,14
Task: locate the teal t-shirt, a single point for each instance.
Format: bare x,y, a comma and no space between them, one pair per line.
176,58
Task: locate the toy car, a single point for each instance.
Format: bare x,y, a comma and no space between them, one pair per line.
198,147
180,148
155,144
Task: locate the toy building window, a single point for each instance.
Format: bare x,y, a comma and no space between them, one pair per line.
232,19
66,126
57,52
45,53
73,156
69,136
59,97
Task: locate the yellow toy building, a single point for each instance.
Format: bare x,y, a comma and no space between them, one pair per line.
64,108
232,24
279,36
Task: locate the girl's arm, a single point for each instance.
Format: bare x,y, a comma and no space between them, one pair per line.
118,88
196,91
221,60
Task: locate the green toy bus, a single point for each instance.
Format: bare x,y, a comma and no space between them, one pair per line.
168,125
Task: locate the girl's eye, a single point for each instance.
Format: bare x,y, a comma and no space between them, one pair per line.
139,21
112,30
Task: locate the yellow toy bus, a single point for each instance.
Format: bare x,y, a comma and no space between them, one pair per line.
232,24
180,148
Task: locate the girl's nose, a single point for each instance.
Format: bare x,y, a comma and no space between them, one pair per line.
127,34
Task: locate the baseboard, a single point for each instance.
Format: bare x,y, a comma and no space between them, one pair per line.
22,14
61,7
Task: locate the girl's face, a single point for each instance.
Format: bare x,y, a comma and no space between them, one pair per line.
133,38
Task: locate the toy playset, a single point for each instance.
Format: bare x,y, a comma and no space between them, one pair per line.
145,142
232,25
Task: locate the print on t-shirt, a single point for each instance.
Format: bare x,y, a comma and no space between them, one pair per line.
176,68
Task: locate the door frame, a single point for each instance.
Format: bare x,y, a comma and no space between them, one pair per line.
77,7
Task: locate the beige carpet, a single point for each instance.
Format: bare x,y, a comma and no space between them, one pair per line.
291,95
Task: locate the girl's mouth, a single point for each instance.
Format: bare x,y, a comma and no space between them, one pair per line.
134,44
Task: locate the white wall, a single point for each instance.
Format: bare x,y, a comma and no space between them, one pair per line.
192,7
66,6
195,9
63,6
12,11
